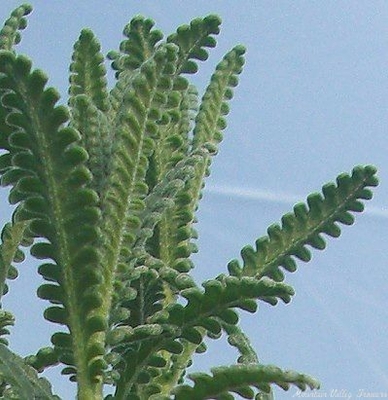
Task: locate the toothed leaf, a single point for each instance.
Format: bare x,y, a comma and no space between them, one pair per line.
22,378
305,226
241,379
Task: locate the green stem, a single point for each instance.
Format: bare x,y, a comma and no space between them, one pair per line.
89,391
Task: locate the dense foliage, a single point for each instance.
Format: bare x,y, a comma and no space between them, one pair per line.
105,192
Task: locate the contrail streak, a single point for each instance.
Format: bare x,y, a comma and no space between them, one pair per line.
277,197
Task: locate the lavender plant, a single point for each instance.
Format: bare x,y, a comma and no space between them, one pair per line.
105,192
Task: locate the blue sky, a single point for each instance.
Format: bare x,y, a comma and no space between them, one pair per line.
312,103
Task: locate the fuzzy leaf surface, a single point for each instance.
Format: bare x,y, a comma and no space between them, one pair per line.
22,378
139,45
47,163
10,33
88,74
193,41
246,380
305,226
11,238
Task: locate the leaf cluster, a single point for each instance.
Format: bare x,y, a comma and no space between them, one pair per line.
106,191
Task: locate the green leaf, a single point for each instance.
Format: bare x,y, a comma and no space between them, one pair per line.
88,74
89,105
138,47
6,320
170,237
305,226
209,123
238,339
173,141
53,165
193,40
11,237
163,197
137,126
173,241
22,378
219,299
189,323
138,359
94,128
241,379
9,34
44,358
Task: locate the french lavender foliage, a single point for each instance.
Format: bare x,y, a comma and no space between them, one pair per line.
105,192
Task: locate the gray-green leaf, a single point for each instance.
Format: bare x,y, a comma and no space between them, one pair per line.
22,378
